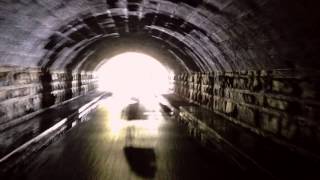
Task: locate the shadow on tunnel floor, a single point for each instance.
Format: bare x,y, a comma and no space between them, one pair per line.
142,161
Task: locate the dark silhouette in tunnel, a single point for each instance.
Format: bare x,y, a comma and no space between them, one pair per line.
141,160
134,111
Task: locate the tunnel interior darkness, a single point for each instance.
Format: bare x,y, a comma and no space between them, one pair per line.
246,71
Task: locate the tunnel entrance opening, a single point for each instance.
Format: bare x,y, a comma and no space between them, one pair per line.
134,75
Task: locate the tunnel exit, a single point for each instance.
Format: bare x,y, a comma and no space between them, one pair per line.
133,74
159,89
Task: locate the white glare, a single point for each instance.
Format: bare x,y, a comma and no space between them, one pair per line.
133,75
137,132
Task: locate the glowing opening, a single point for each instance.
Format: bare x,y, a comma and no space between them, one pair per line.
134,75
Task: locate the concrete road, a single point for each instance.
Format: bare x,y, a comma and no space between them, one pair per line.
128,139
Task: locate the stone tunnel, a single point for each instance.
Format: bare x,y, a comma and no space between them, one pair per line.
245,82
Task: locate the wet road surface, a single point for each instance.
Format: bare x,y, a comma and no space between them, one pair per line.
12,136
128,139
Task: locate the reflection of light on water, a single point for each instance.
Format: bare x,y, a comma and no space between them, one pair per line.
116,126
113,107
149,126
143,132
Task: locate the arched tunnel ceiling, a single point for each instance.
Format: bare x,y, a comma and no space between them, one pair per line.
186,35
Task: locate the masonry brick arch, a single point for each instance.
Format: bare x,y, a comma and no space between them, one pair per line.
223,36
252,62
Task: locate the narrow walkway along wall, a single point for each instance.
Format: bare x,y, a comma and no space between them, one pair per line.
25,92
277,105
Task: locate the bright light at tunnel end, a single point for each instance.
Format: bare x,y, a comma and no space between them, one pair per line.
134,74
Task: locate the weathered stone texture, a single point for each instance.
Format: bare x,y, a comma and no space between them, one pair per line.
272,102
24,91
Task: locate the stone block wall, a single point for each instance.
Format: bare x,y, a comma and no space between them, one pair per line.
25,92
20,93
65,85
280,104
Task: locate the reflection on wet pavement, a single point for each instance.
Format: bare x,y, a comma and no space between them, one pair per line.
14,136
128,139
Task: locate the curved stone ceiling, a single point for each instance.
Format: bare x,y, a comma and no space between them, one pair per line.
186,35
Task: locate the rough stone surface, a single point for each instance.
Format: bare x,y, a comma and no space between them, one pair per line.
200,35
253,152
282,110
27,91
254,62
